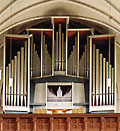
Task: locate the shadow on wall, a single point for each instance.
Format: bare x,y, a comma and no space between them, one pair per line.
60,12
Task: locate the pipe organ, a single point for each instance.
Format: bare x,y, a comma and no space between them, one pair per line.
41,58
16,73
102,75
61,51
78,61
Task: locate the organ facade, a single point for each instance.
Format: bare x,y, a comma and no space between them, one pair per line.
59,65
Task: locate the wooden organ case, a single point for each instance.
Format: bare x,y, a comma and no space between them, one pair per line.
64,56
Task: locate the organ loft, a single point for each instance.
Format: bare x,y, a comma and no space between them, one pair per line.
59,66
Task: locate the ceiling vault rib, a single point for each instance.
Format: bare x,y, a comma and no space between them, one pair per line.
7,6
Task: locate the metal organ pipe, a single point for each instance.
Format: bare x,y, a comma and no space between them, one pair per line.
12,76
22,74
63,52
56,51
93,74
60,47
18,78
25,75
102,80
9,87
106,84
97,76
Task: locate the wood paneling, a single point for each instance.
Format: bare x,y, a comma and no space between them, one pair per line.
43,124
9,124
60,122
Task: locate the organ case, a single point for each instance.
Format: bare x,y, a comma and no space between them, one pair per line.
102,73
16,85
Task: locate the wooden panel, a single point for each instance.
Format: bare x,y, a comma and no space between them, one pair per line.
60,124
43,124
93,124
26,124
9,124
43,111
110,124
77,124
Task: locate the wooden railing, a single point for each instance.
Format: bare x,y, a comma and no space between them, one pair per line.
60,122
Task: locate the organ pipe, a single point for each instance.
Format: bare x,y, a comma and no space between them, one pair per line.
101,74
12,76
63,53
93,82
7,81
104,80
22,74
25,74
112,88
85,58
15,79
59,47
109,88
18,78
78,53
106,83
56,51
97,76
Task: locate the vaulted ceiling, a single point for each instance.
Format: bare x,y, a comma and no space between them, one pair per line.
101,14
